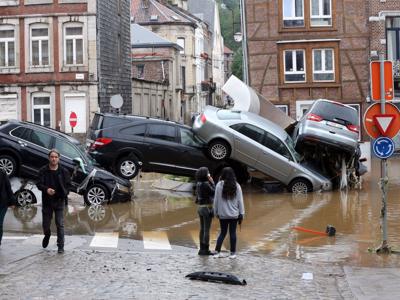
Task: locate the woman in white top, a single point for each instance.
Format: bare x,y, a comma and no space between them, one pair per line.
229,208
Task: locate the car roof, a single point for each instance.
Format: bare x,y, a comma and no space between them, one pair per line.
255,120
52,131
133,117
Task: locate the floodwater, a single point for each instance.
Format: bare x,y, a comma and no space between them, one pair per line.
268,225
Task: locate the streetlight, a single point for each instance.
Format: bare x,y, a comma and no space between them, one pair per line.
237,36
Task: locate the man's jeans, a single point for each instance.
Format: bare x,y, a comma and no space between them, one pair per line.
205,224
47,213
3,211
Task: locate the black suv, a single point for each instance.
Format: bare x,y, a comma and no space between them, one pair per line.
126,143
24,149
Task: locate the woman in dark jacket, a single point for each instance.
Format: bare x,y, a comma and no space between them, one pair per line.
7,199
205,193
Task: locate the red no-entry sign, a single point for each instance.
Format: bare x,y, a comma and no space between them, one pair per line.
73,119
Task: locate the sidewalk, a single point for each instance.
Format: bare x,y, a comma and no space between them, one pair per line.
131,272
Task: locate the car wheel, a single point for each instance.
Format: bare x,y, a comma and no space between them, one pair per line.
219,150
96,194
8,164
25,213
300,186
25,197
128,167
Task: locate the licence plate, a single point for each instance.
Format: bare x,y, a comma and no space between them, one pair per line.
333,124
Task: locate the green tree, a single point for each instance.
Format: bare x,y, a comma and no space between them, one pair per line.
237,65
230,22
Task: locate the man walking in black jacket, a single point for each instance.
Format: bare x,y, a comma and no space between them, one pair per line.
6,199
54,182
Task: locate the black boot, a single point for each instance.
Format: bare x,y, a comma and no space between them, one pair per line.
202,250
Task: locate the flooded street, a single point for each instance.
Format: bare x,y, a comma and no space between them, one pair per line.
266,230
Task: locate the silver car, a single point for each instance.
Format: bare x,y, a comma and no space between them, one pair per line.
328,124
258,143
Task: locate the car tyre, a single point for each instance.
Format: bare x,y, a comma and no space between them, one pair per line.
25,197
8,164
128,167
219,150
300,186
96,194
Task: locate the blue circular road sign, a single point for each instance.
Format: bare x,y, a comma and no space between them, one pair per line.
383,147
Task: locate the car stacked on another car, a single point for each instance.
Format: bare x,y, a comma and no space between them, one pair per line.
328,134
24,149
126,144
258,143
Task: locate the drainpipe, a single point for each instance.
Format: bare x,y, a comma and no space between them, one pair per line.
244,41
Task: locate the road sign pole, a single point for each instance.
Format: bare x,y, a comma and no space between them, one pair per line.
384,179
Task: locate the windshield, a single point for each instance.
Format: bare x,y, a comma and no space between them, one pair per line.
290,144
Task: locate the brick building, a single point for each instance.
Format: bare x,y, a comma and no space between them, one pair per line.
302,50
384,20
50,63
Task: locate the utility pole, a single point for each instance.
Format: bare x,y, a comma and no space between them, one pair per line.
242,8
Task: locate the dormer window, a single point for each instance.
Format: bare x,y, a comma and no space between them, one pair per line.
154,18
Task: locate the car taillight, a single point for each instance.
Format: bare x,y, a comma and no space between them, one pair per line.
203,118
100,142
353,128
313,117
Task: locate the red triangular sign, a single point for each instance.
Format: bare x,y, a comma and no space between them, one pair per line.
383,122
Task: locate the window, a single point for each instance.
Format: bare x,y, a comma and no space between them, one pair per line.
188,138
41,110
294,66
284,108
39,138
183,77
138,130
275,144
7,47
181,42
66,149
8,106
162,132
18,132
323,65
39,46
73,44
140,71
321,13
293,13
393,50
252,132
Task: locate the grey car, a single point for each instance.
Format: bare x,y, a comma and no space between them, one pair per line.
258,143
328,124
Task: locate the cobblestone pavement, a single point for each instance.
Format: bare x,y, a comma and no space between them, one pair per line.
129,272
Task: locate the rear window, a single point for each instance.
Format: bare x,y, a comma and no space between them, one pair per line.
96,122
336,112
113,121
228,115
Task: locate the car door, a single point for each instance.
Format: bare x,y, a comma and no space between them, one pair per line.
68,152
193,152
162,153
35,153
276,160
247,143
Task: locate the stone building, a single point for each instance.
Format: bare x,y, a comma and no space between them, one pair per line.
155,75
302,50
50,63
170,25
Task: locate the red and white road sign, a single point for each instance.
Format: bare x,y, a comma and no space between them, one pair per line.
377,124
73,119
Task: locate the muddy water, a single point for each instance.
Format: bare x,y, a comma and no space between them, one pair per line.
268,225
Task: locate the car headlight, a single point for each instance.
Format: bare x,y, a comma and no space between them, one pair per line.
123,188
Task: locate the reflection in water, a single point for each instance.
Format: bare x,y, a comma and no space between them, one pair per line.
268,224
